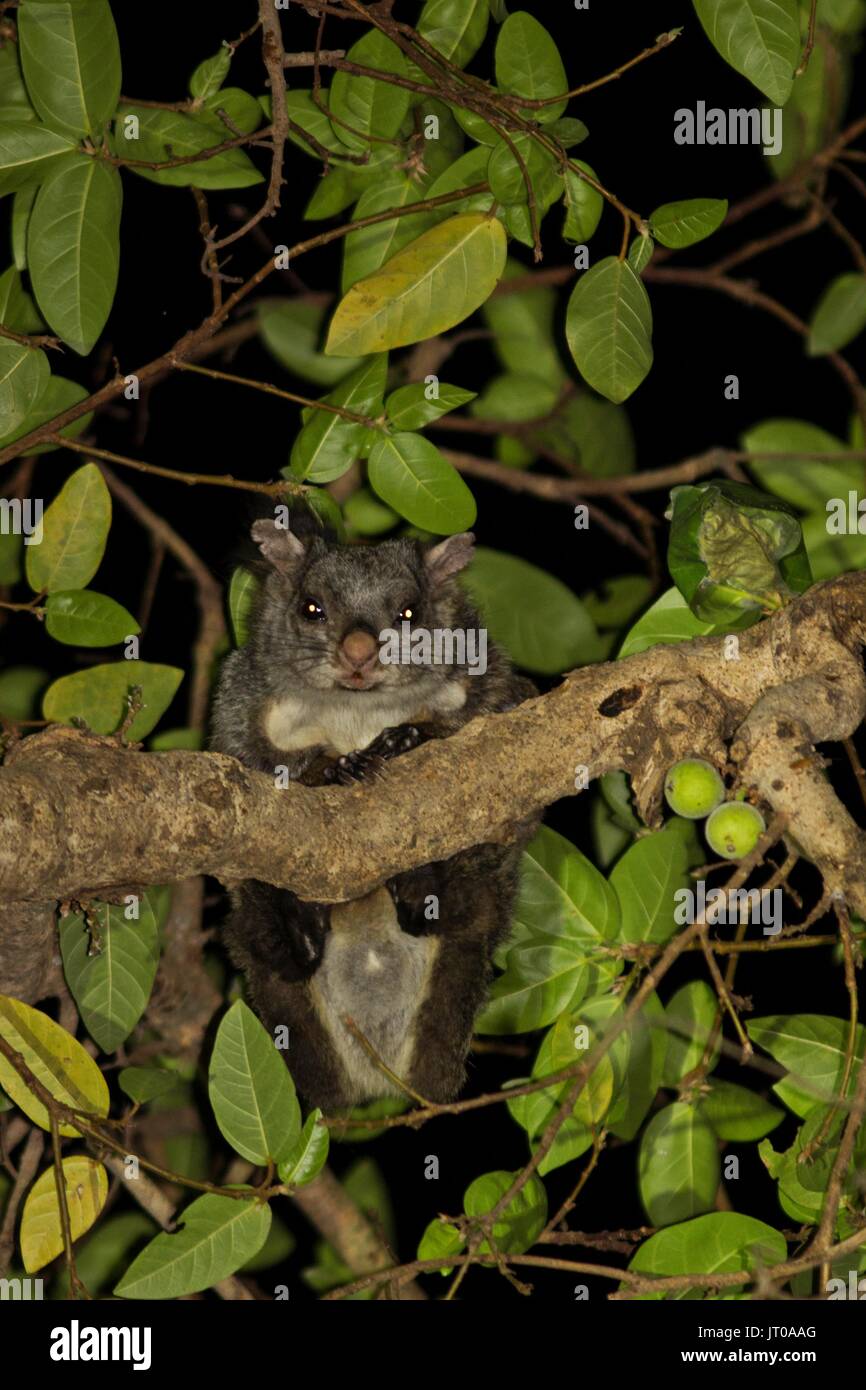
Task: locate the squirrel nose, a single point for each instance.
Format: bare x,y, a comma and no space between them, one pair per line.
359,648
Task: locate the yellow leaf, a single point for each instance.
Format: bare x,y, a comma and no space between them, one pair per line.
86,1183
74,531
55,1058
435,282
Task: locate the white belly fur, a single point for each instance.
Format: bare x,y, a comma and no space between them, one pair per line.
377,975
348,720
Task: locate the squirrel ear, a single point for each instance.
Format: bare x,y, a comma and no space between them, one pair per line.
279,546
449,557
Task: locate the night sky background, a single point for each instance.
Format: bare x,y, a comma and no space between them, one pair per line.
193,424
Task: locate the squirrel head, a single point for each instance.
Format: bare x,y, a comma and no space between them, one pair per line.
327,611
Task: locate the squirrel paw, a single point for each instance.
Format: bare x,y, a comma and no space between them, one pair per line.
370,762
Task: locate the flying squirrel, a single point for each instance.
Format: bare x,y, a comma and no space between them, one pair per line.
409,963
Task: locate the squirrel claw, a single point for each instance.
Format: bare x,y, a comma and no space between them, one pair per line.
354,767
370,762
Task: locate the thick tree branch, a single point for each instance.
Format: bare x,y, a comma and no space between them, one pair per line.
82,814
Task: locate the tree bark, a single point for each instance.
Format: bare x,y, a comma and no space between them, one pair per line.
83,816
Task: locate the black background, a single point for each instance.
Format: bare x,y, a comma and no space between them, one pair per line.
199,425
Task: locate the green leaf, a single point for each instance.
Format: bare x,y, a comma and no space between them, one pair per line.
142,1084
243,589
312,118
684,223
412,407
522,326
166,135
475,126
595,434
291,331
217,1236
645,880
542,625
647,1048
210,75
457,28
609,328
678,1165
82,618
583,204
440,1239
738,1114
839,316
98,696
24,373
568,131
410,474
668,620
111,987
640,253
614,602
722,1242
427,288
810,116
22,206
308,1156
559,1050
812,1048
17,310
831,555
516,397
251,1091
231,111
276,1250
758,38
59,395
71,61
86,1186
28,152
365,106
465,172
521,1223
11,555
528,65
15,104
56,1059
366,515
566,913
507,176
366,249
792,475
74,531
190,740
328,444
689,1019
73,249
20,687
103,1255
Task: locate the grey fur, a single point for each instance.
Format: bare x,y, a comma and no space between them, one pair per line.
412,983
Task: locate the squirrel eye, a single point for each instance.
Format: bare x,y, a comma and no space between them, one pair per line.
312,611
405,615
